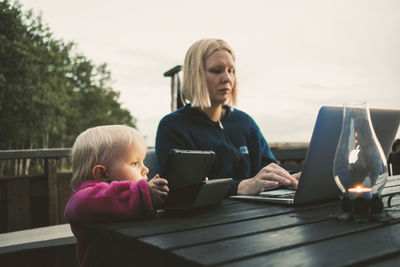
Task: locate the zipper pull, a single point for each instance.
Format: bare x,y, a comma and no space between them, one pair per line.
220,125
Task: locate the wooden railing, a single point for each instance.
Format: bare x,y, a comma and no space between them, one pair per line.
291,158
30,201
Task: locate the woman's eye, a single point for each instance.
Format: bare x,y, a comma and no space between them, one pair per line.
216,71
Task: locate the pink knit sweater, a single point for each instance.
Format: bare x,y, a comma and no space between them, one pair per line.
96,201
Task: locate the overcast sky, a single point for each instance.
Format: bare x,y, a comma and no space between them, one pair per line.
292,56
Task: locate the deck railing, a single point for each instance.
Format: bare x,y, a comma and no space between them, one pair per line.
30,201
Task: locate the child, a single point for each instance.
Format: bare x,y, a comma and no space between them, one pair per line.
109,181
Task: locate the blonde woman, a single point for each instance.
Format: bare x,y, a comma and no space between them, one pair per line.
209,121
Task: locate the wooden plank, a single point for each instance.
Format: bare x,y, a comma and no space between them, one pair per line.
55,256
261,243
390,190
64,192
16,177
283,154
51,171
3,206
46,246
393,180
359,249
39,202
35,153
196,219
386,261
236,229
126,234
36,238
18,206
227,205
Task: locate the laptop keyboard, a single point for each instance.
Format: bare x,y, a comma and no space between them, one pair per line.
278,194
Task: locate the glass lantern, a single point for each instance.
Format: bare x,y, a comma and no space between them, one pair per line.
359,168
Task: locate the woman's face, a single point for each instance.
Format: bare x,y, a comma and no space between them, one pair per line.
220,76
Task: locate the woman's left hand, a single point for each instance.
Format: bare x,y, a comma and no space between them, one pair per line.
269,177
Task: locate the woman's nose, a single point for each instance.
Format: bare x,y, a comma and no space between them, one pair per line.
227,77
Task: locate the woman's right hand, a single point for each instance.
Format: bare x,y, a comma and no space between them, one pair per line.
269,177
158,190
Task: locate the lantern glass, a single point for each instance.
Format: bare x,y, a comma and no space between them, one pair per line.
359,163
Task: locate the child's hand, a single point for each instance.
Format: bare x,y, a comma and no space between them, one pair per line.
158,190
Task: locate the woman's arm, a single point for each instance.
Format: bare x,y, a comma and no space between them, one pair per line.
268,173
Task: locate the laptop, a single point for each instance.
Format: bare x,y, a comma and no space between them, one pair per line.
316,182
186,173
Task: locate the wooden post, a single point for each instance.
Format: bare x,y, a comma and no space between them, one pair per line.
18,206
176,101
51,171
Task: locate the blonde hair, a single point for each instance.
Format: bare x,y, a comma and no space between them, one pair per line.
96,146
194,86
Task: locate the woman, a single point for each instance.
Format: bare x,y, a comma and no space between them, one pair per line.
209,121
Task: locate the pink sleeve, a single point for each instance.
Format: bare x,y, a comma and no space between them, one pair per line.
96,201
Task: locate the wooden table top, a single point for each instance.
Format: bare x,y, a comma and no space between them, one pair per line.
242,233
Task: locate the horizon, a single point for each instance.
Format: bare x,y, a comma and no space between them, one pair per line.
291,57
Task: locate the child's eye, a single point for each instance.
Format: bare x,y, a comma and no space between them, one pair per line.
135,163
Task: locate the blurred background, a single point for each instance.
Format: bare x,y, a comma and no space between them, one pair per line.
292,56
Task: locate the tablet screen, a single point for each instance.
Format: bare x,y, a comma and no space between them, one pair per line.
187,167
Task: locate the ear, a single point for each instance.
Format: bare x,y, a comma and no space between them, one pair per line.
99,172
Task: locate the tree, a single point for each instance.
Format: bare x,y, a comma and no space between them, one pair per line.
48,94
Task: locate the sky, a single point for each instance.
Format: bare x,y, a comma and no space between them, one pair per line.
292,56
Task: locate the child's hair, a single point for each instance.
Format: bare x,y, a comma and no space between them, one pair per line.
97,146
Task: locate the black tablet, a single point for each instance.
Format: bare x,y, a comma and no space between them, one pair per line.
187,167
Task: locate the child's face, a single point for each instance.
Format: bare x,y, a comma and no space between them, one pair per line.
129,164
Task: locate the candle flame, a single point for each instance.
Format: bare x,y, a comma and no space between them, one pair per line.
360,189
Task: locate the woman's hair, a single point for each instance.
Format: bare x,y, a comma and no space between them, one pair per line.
96,146
194,86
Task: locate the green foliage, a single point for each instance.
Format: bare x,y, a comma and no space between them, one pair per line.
48,95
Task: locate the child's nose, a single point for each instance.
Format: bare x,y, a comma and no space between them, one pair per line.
145,171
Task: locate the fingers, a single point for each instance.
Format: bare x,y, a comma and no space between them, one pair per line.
159,181
296,175
281,171
276,173
267,185
159,184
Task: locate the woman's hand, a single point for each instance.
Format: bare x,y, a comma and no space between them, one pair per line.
158,190
269,177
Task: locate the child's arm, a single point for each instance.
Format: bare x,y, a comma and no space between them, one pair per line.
100,201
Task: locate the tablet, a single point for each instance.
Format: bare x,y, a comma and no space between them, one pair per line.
187,167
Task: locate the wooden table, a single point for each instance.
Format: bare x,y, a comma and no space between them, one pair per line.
239,233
